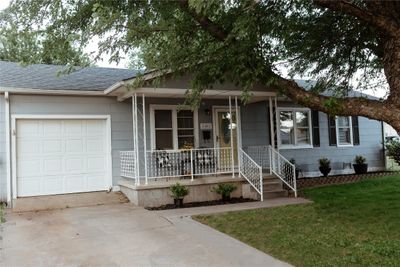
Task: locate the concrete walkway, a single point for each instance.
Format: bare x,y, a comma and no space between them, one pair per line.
124,235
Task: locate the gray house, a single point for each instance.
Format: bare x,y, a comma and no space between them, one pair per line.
90,131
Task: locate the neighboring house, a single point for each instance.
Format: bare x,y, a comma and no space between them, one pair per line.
78,133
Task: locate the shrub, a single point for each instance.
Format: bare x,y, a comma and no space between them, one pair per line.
324,163
224,190
178,191
360,160
393,150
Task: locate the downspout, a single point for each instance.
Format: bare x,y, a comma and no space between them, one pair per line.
383,145
8,147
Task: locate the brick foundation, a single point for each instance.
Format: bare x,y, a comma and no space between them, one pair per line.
339,179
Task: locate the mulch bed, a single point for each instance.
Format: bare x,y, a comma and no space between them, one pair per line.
339,179
203,203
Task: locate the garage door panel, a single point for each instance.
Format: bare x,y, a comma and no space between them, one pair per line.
53,183
28,147
75,145
75,183
52,128
95,145
94,128
61,156
52,146
29,186
53,166
75,165
30,129
29,167
73,128
96,164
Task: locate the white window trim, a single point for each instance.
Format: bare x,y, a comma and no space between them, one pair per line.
337,132
174,109
279,109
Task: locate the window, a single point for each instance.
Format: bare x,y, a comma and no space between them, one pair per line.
344,131
185,128
294,128
172,128
163,129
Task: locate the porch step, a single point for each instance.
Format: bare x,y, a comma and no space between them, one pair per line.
272,185
275,194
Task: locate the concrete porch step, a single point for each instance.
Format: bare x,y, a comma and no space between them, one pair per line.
272,185
275,194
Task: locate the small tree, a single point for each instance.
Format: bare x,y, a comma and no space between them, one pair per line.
178,192
393,150
225,191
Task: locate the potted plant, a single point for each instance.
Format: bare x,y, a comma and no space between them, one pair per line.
225,191
324,166
178,192
360,166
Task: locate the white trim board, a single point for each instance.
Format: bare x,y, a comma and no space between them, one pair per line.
34,91
16,117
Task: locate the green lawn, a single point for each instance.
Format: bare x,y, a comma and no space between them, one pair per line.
2,219
347,225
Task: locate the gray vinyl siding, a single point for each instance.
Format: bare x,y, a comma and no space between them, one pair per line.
184,82
255,124
341,157
120,112
3,160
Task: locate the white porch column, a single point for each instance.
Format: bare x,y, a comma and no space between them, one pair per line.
145,138
231,131
271,122
135,138
238,135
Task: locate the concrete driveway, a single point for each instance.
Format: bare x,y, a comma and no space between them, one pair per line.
118,235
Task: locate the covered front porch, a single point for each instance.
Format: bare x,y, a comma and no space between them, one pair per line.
221,141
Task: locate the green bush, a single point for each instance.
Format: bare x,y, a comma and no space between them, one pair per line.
324,163
393,150
360,159
178,191
224,190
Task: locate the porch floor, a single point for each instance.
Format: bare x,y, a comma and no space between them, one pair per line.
167,182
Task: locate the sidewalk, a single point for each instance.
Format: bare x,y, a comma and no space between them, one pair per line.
268,203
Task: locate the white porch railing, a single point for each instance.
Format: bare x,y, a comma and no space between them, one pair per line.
284,169
128,164
190,162
260,154
251,171
178,163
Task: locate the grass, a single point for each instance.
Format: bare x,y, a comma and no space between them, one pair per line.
347,225
2,219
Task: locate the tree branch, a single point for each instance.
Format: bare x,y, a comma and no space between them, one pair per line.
205,22
349,8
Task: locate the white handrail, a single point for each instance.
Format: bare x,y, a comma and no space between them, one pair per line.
251,171
283,169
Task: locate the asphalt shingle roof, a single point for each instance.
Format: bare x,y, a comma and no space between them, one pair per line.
48,77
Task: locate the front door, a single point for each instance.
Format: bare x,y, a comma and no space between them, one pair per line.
223,126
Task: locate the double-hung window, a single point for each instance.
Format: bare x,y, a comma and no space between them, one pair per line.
172,128
294,127
344,131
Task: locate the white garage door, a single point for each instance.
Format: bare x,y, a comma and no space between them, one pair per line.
61,156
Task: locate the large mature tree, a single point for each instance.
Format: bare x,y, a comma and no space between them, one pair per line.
22,44
341,44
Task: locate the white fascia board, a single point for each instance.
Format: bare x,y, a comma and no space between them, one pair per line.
49,92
